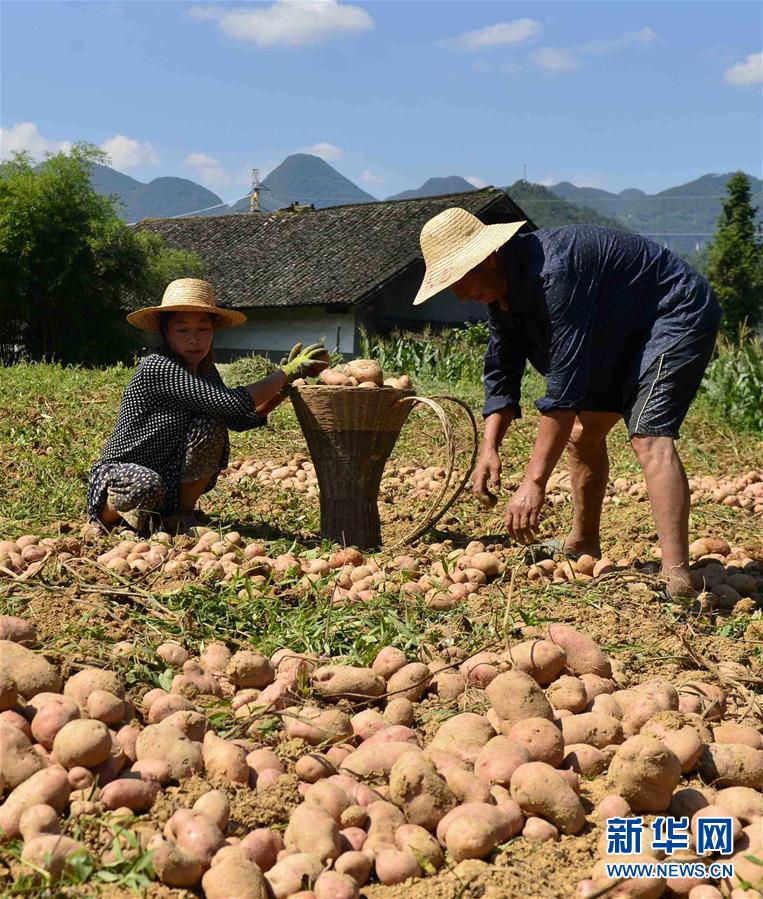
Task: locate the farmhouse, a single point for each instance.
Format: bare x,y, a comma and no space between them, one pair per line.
307,274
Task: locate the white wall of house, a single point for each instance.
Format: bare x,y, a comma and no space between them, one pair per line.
277,329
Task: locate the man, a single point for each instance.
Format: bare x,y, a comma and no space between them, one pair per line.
619,326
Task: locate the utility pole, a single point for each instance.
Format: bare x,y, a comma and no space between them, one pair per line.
524,172
254,196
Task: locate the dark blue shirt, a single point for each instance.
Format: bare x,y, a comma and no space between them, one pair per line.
586,305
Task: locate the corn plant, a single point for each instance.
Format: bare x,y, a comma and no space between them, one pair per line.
733,382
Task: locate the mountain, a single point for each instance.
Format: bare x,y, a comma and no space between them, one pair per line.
683,217
160,198
435,187
305,179
549,211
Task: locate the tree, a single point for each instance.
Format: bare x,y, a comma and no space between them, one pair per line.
68,263
735,260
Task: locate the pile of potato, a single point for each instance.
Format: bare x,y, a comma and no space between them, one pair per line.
378,800
360,373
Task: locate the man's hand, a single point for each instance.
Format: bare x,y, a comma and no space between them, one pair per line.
487,470
523,512
305,363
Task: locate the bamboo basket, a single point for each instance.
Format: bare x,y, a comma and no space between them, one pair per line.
350,433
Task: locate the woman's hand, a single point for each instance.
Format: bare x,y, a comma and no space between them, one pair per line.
305,363
487,470
523,512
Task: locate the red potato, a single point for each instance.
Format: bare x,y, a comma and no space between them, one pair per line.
568,693
498,759
636,888
82,742
375,759
83,683
39,819
134,794
399,710
18,761
352,838
612,806
28,670
167,704
347,682
192,725
223,760
250,669
330,797
592,728
538,830
50,786
366,723
679,734
16,629
384,818
417,789
233,875
541,790
354,864
480,669
597,686
732,765
17,720
215,805
710,700
744,803
473,830
286,877
584,656
541,738
9,693
365,370
173,654
50,852
409,682
684,803
156,770
515,696
353,816
645,773
196,833
51,712
737,733
388,660
393,733
166,743
463,735
543,660
106,707
584,759
313,767
311,828
262,846
316,726
194,680
174,866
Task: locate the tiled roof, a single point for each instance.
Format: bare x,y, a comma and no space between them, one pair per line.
341,254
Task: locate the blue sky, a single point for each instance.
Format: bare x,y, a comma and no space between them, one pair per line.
612,93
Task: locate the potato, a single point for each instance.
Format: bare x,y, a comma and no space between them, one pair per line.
316,726
83,683
463,735
474,829
39,819
164,706
82,742
423,845
746,859
223,760
417,789
635,888
710,699
365,370
173,654
585,759
384,818
396,865
347,682
597,686
250,669
679,734
311,827
287,876
52,712
30,671
355,864
366,723
388,660
612,806
737,733
192,725
399,710
568,693
481,668
262,846
541,659
592,728
498,759
644,773
375,759
541,738
50,786
409,682
541,790
50,852
18,761
174,866
17,630
689,800
9,693
135,794
194,680
156,770
196,833
234,876
515,695
584,656
165,742
329,796
732,765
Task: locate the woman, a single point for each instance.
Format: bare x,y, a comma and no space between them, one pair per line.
171,437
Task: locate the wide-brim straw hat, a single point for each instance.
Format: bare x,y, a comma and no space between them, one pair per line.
453,242
187,295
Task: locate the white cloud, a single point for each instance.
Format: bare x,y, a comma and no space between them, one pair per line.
475,181
211,173
24,137
498,35
202,159
127,153
555,60
743,74
644,35
326,151
287,23
368,176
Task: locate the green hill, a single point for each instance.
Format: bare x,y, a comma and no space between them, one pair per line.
435,187
550,211
305,179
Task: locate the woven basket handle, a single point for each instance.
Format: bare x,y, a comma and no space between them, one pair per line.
436,511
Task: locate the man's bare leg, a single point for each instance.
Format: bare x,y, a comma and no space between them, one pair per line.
668,490
190,491
589,473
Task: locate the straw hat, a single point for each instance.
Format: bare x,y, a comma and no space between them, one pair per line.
186,295
453,243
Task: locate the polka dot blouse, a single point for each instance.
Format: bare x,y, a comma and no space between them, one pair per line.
157,408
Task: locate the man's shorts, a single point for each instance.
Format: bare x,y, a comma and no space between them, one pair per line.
659,401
